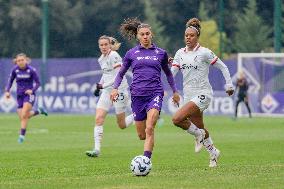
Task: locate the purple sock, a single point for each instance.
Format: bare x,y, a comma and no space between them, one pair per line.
36,112
148,154
23,132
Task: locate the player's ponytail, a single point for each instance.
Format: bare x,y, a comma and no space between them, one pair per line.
129,27
114,44
194,23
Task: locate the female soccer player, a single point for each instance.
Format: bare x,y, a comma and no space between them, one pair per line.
110,62
146,60
194,61
26,77
242,88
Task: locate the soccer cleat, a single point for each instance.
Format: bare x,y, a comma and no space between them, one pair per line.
43,111
21,139
199,141
214,158
93,153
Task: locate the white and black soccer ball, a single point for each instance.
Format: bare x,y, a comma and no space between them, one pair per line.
141,165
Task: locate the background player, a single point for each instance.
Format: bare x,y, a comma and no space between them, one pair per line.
27,83
242,91
194,62
110,62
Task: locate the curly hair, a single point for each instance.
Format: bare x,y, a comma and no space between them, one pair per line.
130,27
195,24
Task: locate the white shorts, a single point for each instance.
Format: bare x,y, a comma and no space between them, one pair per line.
202,101
120,105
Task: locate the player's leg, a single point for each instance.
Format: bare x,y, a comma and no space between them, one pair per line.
120,109
247,105
140,129
103,106
152,117
236,107
182,119
39,111
24,117
214,153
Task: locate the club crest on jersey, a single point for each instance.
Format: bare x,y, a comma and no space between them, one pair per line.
156,51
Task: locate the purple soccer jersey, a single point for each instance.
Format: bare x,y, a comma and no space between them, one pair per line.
146,67
146,88
25,79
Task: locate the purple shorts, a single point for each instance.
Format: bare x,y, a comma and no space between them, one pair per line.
25,98
142,104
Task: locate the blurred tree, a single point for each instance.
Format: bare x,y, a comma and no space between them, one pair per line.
18,31
66,24
210,35
252,34
158,29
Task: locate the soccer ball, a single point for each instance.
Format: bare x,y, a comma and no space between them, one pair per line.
141,165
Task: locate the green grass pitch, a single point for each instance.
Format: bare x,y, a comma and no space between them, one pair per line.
53,155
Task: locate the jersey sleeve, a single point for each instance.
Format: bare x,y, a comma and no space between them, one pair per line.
210,57
10,80
213,60
169,75
116,60
125,66
176,63
36,80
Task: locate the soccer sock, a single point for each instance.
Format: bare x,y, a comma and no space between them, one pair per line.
148,154
36,112
208,144
23,132
194,130
98,135
129,120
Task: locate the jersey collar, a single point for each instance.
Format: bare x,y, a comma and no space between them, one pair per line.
194,49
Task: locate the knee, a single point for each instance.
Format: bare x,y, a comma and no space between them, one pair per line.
176,121
141,136
121,124
99,120
25,115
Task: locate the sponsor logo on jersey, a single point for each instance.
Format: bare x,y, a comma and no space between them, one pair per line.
23,76
147,58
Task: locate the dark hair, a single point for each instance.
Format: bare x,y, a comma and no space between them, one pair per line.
130,27
195,24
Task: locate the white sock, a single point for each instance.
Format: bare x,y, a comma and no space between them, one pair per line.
98,135
129,120
194,130
208,144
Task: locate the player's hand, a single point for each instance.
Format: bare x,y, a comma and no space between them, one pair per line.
170,60
230,92
99,86
29,92
176,98
229,89
7,94
97,92
114,95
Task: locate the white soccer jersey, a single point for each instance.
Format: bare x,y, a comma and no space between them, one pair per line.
194,66
109,65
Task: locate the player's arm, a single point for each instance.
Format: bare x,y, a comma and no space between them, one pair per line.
119,77
10,83
36,80
226,74
175,64
170,79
